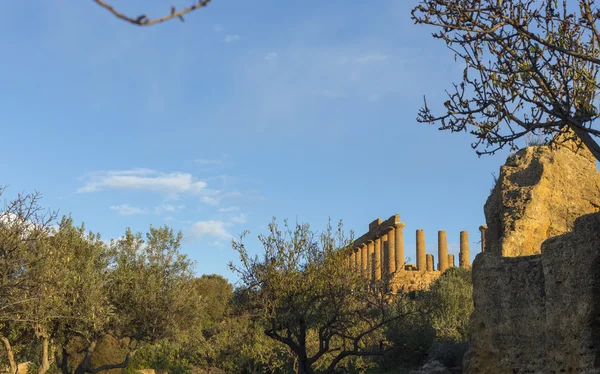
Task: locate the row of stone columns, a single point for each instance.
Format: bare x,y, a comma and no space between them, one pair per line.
384,254
425,262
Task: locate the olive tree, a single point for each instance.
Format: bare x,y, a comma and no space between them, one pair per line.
150,289
530,67
307,297
24,230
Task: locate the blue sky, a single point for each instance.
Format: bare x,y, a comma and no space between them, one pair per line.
248,110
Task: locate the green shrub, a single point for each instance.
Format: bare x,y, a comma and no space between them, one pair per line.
450,304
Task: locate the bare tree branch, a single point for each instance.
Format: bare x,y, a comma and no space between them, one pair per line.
143,19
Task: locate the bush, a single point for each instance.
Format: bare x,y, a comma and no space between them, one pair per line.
450,304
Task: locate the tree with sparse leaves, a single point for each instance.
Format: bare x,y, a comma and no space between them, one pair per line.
531,67
305,294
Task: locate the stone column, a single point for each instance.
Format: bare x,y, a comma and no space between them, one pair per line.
399,242
371,250
356,254
482,229
351,260
391,251
464,258
365,260
451,260
385,255
377,258
429,262
442,251
421,250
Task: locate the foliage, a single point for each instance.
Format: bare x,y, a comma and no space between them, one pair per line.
450,304
436,325
530,67
411,337
73,292
304,293
217,294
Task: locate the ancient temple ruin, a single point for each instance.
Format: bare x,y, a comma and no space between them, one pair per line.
379,254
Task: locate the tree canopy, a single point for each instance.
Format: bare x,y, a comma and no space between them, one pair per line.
530,67
305,294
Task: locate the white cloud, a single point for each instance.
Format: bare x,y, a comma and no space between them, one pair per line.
210,228
142,180
366,59
231,38
229,209
218,28
168,208
127,210
217,243
240,218
210,200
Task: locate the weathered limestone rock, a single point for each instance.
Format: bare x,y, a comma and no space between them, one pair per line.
432,367
145,371
508,320
442,251
464,258
571,264
541,313
539,193
407,281
482,230
536,289
421,250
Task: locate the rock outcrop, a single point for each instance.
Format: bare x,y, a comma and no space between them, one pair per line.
539,314
539,193
536,289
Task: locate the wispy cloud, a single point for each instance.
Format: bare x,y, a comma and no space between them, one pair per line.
231,38
229,209
128,210
168,208
238,219
218,28
142,180
210,228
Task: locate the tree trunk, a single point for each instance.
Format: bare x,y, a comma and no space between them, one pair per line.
588,140
304,366
83,366
10,355
45,364
62,363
